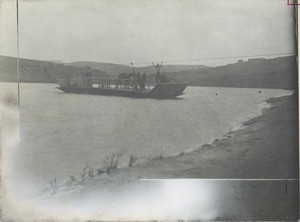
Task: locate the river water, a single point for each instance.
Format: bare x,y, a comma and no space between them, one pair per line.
61,133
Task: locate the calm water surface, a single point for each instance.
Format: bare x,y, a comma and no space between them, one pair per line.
60,133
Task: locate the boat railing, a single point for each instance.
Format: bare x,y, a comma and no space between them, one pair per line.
101,82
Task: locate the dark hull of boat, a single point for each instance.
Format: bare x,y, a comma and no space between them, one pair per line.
160,91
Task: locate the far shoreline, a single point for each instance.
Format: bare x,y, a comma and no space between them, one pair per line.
203,86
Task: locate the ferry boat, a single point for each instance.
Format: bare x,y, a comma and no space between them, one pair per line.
120,87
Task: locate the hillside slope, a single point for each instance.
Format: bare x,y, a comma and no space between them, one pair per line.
40,71
255,73
115,69
278,73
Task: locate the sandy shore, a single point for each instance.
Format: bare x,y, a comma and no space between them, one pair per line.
267,147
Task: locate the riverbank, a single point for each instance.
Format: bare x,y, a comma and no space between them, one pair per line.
266,148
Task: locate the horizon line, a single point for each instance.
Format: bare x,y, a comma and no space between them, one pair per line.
262,56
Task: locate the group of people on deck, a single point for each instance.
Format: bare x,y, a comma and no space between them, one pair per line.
141,79
159,76
138,83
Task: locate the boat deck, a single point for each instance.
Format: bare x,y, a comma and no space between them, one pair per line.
120,87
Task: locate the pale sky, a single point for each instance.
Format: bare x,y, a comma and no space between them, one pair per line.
142,31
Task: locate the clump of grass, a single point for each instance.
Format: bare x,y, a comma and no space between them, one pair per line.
100,171
54,185
111,162
73,179
87,172
90,172
84,173
132,159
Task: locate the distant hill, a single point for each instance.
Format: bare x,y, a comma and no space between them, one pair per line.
112,69
278,73
255,73
115,69
40,71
